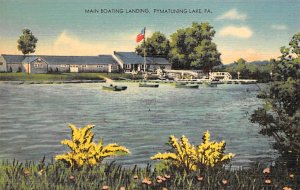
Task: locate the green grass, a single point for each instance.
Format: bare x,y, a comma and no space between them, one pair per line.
67,76
16,175
116,76
49,77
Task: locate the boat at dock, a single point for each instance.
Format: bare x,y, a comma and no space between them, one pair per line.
185,85
150,85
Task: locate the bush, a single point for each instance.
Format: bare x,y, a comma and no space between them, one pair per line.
188,157
85,151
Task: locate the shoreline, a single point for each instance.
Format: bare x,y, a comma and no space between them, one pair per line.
51,82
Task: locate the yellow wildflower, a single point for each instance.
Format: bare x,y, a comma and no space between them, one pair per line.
84,150
191,157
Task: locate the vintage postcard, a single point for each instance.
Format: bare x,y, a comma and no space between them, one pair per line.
138,94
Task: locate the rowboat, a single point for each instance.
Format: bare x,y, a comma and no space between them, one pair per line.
114,88
121,87
148,85
184,85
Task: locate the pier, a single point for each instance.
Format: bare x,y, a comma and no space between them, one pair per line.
198,77
200,81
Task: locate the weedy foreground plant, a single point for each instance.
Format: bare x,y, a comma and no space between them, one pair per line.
84,150
57,175
191,158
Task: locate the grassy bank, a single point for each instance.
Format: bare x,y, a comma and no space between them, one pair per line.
49,77
28,175
67,76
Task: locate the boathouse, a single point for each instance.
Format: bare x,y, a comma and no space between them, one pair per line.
132,62
118,62
49,63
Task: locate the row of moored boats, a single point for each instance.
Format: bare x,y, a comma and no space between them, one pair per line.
151,85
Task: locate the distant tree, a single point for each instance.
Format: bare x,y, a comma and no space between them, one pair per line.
295,44
157,46
192,47
240,66
27,43
240,61
280,116
259,70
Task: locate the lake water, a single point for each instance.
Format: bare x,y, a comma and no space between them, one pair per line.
34,119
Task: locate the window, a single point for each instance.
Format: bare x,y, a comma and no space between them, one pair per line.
1,63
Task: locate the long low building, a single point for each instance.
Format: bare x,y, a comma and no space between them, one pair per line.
119,62
48,63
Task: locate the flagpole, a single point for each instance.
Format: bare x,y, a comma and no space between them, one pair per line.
144,50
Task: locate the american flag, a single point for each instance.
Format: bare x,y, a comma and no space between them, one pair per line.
141,35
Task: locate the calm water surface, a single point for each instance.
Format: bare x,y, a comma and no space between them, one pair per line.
34,119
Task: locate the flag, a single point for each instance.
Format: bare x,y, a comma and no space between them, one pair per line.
141,35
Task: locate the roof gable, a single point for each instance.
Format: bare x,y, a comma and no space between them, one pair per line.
13,58
130,57
32,59
134,58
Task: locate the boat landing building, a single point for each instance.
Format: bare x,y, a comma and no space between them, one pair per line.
118,62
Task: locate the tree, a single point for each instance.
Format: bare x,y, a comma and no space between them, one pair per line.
27,43
156,46
192,47
280,116
240,61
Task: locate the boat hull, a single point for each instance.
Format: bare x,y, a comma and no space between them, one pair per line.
112,88
148,85
179,85
121,87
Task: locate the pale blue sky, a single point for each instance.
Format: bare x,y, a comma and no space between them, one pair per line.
254,30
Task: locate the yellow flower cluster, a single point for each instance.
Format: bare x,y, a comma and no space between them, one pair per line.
84,150
191,158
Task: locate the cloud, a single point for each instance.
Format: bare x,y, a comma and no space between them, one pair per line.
230,55
69,44
236,31
279,26
232,14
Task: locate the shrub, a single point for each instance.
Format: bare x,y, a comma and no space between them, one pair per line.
85,151
191,158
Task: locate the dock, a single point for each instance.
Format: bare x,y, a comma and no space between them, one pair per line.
200,81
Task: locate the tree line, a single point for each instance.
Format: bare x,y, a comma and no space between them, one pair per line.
188,48
262,71
280,116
